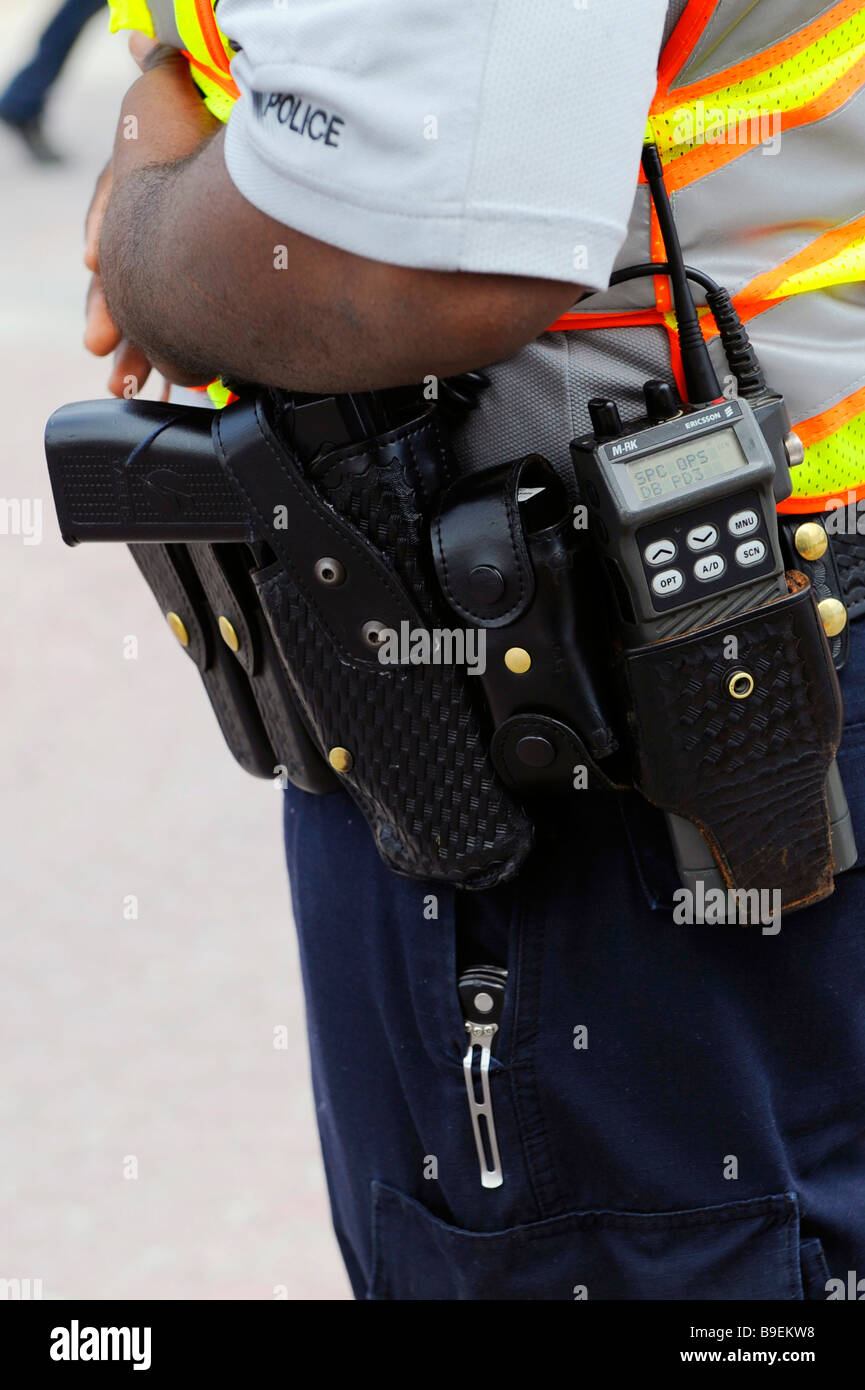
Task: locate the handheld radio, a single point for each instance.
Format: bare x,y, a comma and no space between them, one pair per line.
683,512
682,506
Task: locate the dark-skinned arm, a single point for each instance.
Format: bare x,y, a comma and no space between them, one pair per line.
189,269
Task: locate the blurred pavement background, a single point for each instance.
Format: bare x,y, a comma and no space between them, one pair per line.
148,1039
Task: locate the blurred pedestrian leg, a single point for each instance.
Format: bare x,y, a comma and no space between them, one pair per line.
22,104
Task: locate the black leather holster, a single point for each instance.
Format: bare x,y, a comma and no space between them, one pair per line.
280,577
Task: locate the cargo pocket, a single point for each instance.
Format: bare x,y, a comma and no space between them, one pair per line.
741,1250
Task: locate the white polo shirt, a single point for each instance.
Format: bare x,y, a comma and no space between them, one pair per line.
481,135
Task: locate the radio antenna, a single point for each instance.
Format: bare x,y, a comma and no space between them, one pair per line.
701,381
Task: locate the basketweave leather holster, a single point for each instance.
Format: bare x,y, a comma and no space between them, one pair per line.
302,687
750,774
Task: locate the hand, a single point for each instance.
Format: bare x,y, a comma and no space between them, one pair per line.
101,335
168,103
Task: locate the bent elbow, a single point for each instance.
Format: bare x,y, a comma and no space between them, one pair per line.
465,321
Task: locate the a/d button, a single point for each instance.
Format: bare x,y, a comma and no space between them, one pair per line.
710,567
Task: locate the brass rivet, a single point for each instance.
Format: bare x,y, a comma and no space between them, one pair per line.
517,660
811,540
228,634
833,615
740,685
340,759
178,627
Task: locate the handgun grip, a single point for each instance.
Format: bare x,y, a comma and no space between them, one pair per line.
140,471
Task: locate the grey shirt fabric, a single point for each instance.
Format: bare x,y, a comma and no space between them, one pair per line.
493,136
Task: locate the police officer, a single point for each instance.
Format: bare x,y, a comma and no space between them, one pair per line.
679,1108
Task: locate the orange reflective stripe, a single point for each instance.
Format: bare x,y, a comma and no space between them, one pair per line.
820,426
823,248
794,505
210,33
227,83
633,318
663,291
814,431
676,364
691,166
682,42
761,62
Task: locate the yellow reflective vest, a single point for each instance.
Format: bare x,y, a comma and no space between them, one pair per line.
760,123
189,25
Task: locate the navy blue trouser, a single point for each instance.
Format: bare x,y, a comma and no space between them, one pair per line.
708,1141
27,93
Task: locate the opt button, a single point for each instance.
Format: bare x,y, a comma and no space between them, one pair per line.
668,582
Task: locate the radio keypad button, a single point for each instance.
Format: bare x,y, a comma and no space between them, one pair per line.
659,552
702,537
668,582
750,552
710,567
743,523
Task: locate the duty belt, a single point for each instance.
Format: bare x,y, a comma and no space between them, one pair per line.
281,565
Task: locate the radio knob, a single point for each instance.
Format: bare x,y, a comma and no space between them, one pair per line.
661,402
605,417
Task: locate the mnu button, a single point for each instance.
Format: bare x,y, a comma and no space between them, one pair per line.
668,582
710,567
741,523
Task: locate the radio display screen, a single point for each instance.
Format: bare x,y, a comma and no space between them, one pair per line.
687,465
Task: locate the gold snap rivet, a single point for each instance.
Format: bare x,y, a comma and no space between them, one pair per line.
228,634
811,540
833,616
517,660
740,685
340,759
178,627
